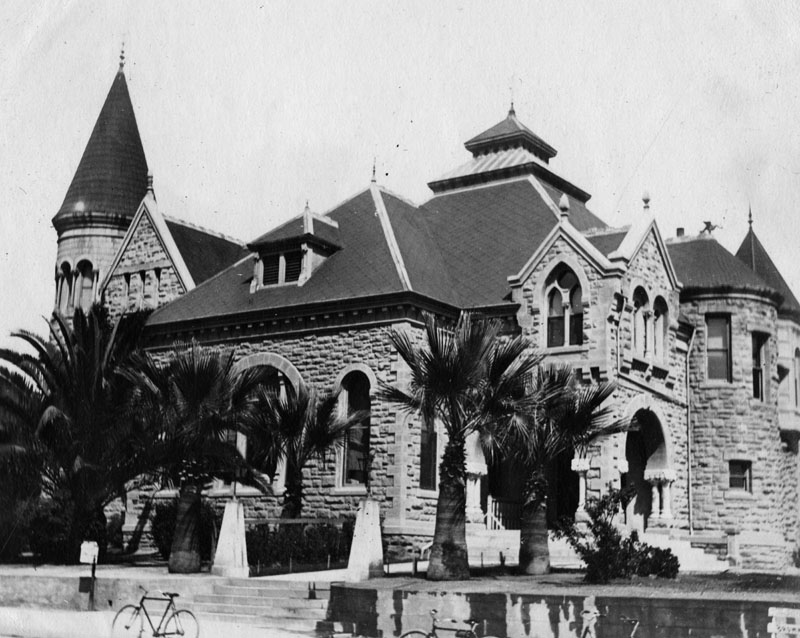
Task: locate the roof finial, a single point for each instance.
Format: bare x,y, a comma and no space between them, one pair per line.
563,206
308,220
646,200
150,190
122,57
511,111
750,215
374,168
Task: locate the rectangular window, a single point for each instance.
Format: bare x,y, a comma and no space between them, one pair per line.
740,475
555,331
576,329
718,347
427,457
294,264
272,267
759,346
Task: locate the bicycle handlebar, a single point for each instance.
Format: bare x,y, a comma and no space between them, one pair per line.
434,615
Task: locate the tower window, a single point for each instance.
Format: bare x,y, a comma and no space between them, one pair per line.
718,347
759,349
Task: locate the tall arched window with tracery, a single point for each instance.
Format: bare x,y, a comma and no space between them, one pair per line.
354,471
641,314
65,289
564,320
660,327
85,293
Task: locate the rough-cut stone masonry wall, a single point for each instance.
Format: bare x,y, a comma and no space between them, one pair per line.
123,292
321,359
729,424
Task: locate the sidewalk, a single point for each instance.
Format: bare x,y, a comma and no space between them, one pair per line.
51,623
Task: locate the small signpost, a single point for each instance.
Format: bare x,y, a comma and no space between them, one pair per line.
89,552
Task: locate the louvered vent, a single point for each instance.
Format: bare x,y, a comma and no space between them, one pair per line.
271,269
294,263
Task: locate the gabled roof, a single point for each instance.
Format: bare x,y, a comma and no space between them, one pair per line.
112,175
607,242
205,252
701,263
753,254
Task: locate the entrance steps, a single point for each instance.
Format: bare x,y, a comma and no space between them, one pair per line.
272,604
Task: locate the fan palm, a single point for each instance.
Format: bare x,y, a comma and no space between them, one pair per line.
59,405
562,416
471,380
294,429
191,406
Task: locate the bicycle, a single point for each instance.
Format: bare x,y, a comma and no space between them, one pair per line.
457,632
129,621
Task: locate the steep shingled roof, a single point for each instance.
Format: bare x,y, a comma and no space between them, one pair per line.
754,255
702,263
204,252
511,132
112,174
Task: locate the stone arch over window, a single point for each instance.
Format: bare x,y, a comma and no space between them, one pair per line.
354,461
641,319
660,328
565,297
285,372
64,287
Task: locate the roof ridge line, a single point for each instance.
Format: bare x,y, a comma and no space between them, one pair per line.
205,229
388,233
402,198
472,187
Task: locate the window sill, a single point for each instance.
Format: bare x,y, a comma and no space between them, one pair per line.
567,349
432,494
709,384
733,494
350,490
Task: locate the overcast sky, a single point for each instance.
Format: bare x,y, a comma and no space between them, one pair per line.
247,109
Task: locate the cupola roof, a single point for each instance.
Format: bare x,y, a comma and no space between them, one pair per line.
510,133
111,178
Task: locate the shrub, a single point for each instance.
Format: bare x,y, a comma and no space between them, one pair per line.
308,544
162,527
606,553
50,531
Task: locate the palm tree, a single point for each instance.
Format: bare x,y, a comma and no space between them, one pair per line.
472,380
59,405
562,416
191,406
294,429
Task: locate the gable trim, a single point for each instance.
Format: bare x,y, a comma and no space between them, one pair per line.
634,240
391,240
164,237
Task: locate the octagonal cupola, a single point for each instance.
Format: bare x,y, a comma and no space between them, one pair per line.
289,254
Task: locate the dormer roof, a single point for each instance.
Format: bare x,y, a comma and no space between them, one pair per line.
111,177
308,227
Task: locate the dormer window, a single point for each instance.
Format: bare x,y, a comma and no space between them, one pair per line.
291,253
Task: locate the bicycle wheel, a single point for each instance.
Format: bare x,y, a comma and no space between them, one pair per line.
182,623
127,623
414,633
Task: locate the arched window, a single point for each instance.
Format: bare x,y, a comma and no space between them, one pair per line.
65,289
564,320
85,294
660,327
355,455
797,377
428,455
641,314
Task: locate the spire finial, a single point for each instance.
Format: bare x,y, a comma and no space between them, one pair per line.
122,57
646,200
374,168
750,215
511,111
150,190
308,220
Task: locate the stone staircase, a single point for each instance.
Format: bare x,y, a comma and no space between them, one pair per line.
278,604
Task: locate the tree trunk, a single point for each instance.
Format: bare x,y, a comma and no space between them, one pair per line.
534,552
293,496
449,559
184,557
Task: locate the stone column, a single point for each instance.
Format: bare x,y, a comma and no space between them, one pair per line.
581,466
667,478
654,478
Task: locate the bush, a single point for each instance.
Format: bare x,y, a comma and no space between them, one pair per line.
606,553
308,544
162,526
50,536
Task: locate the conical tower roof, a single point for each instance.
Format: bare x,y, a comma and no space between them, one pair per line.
112,176
753,253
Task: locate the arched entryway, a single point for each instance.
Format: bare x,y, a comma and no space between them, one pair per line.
648,467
